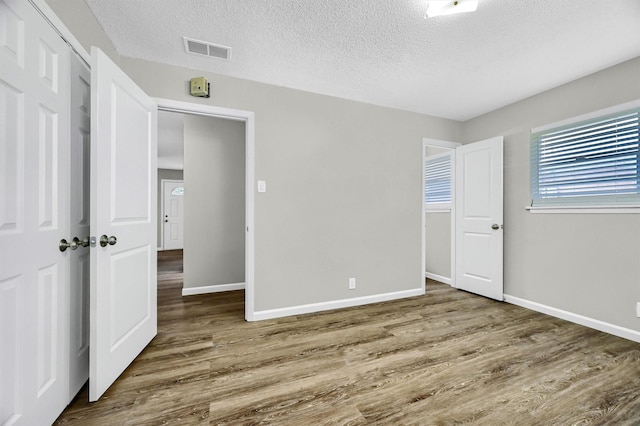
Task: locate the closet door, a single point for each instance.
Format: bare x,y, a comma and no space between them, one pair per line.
80,166
34,217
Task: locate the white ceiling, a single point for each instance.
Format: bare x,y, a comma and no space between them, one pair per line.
383,51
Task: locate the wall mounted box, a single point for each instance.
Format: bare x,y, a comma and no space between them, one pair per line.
200,87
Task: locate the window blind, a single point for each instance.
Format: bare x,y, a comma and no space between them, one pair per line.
594,162
437,181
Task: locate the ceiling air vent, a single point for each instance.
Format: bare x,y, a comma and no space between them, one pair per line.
205,48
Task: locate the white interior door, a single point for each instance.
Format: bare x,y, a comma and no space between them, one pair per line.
123,311
479,197
173,214
34,217
79,215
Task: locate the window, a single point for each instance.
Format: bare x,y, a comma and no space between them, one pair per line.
437,181
595,162
179,190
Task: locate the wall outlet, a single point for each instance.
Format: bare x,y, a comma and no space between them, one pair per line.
352,283
638,309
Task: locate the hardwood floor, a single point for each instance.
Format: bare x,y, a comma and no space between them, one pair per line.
445,358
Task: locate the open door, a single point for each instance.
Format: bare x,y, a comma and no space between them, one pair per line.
123,296
479,198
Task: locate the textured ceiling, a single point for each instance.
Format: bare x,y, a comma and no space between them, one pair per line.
383,51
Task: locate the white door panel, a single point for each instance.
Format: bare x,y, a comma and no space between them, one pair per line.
477,176
479,199
79,216
34,217
123,205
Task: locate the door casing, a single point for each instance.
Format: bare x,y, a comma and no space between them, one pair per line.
248,118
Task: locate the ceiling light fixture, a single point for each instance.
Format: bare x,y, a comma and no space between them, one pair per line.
449,7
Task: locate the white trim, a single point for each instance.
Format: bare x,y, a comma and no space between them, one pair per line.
438,143
335,304
583,209
439,278
454,162
219,288
442,210
606,327
171,105
249,119
161,212
423,262
589,116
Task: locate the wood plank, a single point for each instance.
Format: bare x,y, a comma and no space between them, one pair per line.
444,358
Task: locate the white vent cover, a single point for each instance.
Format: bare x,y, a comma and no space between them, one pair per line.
205,48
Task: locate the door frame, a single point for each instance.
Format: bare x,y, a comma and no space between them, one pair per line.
248,118
451,146
161,215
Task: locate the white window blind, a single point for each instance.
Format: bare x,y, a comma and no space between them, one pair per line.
593,162
437,181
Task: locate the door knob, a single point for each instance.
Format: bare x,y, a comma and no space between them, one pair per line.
81,243
63,245
495,226
104,240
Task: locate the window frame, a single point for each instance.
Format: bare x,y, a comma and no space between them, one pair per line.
608,203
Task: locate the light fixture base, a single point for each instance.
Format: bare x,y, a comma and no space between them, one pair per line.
450,7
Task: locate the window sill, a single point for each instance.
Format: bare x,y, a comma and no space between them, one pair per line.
584,209
428,210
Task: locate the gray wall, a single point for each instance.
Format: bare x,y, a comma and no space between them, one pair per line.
343,179
164,174
344,188
582,263
344,185
438,243
214,214
78,18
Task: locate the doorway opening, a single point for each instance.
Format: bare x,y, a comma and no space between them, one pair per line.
240,121
438,216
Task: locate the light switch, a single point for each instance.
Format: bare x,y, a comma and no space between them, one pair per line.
262,186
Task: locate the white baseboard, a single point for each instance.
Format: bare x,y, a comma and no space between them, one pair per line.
438,278
606,327
335,304
190,291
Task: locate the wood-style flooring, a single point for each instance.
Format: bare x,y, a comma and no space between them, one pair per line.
445,358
